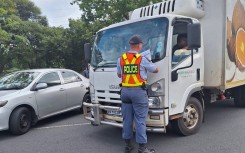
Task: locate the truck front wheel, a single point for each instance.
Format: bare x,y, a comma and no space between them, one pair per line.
191,120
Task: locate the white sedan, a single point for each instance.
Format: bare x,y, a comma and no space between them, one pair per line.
31,95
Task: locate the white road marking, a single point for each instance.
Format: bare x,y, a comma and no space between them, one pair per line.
61,126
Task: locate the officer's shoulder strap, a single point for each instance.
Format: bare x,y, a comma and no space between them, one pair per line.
125,56
137,55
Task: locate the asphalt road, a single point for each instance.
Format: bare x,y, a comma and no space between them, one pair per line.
222,132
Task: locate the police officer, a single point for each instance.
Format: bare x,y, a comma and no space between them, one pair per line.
132,68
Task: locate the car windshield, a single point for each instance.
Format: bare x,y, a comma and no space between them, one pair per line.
111,43
17,80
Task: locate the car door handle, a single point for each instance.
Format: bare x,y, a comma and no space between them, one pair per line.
81,85
62,89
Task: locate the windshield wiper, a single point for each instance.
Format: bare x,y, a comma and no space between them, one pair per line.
106,64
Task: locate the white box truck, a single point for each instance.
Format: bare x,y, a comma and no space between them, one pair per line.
214,69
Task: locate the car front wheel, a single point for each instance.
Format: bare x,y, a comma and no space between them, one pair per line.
20,121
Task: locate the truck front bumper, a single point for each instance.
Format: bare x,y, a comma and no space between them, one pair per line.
155,121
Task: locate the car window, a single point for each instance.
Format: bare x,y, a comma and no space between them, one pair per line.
51,79
70,77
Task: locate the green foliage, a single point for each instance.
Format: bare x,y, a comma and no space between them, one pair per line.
27,9
109,11
22,32
78,34
9,6
42,20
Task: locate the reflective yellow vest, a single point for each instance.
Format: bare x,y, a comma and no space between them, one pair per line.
130,64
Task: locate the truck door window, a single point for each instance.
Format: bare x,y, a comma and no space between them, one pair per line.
179,41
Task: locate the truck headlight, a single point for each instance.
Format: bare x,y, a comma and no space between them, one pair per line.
3,103
157,88
154,102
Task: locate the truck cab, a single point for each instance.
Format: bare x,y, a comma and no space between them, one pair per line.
175,91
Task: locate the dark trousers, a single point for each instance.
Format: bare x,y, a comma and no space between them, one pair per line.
134,108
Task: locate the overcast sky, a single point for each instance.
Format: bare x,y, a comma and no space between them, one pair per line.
58,11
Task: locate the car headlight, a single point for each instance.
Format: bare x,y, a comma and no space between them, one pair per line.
3,103
157,88
154,102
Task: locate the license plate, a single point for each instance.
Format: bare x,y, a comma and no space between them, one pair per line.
117,113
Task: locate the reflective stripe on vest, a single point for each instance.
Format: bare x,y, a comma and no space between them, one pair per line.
130,64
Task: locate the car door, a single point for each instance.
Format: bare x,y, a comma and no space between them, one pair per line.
75,88
53,98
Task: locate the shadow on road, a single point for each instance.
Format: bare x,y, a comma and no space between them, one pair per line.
44,122
57,118
214,114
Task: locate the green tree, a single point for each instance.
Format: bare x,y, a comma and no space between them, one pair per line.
108,12
55,45
22,34
28,11
9,6
78,34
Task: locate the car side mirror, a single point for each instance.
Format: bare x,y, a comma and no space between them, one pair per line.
194,36
41,86
174,76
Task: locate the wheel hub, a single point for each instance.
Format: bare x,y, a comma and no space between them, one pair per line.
23,121
190,116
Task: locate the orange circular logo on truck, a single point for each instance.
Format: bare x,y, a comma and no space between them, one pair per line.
240,46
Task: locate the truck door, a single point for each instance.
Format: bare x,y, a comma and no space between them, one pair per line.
184,75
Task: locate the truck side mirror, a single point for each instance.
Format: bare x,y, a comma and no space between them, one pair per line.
194,36
87,52
174,76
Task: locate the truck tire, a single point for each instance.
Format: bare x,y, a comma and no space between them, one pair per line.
191,120
87,99
239,96
20,121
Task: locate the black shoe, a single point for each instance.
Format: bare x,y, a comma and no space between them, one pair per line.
128,149
144,149
128,146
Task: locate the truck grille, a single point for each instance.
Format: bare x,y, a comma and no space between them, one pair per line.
107,96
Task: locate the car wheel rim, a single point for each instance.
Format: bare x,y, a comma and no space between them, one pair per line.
190,116
24,121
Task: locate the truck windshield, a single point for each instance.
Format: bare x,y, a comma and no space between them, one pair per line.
111,43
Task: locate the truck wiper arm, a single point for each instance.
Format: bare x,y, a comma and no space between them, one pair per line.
106,64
